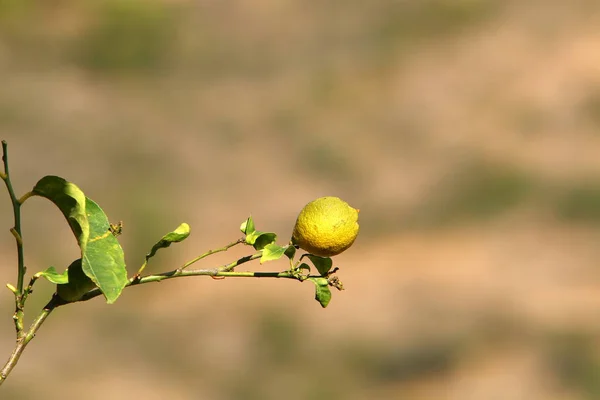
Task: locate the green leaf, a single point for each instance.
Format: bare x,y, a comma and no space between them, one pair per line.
304,266
290,252
78,283
247,226
322,292
53,276
272,252
323,264
178,235
264,239
103,260
255,238
71,202
251,238
260,239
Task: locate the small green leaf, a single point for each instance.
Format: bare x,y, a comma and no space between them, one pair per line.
259,239
103,260
290,252
70,200
304,266
323,264
322,292
255,238
272,252
247,226
78,283
53,276
251,238
264,239
178,235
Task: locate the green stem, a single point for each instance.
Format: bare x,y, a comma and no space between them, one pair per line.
24,340
210,252
25,197
16,230
224,271
29,289
137,276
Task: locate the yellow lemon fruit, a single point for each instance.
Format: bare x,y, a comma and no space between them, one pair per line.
326,227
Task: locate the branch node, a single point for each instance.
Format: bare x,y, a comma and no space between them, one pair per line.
25,197
17,236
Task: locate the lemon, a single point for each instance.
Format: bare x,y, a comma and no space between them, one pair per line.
326,226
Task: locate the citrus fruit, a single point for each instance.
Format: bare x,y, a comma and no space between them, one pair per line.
326,227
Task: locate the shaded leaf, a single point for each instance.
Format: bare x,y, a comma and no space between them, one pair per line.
70,200
304,266
78,283
323,264
259,239
290,252
263,239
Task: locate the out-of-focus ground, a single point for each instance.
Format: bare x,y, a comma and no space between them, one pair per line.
467,132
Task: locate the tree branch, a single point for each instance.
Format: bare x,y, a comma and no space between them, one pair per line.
24,340
222,271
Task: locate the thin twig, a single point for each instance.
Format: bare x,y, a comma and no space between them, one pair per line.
222,271
137,276
16,231
210,252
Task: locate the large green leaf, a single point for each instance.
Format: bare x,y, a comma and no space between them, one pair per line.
71,202
103,261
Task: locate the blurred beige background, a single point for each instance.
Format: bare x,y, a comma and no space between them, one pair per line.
466,131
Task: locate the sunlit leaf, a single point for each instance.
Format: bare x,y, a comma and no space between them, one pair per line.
178,235
322,292
53,276
103,261
272,252
247,226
